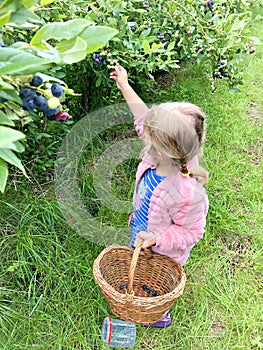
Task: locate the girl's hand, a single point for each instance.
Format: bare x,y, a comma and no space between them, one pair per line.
119,74
147,237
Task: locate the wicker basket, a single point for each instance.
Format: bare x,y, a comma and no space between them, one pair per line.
130,279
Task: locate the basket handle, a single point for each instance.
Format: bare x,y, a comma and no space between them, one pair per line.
136,253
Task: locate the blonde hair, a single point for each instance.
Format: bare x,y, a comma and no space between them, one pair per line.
176,130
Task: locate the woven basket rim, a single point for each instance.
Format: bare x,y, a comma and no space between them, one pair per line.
120,296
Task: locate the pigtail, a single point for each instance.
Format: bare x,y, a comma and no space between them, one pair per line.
200,174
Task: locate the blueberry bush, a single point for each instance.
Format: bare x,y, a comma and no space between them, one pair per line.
29,45
79,42
156,36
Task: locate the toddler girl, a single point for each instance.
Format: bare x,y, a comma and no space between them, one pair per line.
170,203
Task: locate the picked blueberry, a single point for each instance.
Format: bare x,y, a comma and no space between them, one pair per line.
122,286
144,287
148,291
154,293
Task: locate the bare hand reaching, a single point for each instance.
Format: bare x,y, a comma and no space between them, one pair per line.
119,74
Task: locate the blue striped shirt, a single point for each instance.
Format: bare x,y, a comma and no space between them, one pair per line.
146,186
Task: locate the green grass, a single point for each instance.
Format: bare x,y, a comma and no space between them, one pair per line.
48,297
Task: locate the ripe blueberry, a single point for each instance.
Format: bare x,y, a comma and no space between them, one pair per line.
36,80
122,286
50,112
28,105
40,103
57,90
148,291
154,293
133,29
144,287
27,93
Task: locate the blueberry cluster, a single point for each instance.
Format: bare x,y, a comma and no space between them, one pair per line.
200,48
148,291
209,4
145,5
160,35
250,48
97,59
33,98
220,72
163,39
122,286
144,287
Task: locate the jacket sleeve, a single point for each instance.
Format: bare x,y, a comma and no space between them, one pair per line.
188,223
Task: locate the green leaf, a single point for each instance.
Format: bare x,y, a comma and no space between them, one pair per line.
5,120
156,46
59,31
29,3
238,24
9,156
14,61
23,15
3,175
5,85
17,12
8,135
16,146
10,5
76,53
5,18
256,41
139,10
46,2
171,46
10,95
144,34
95,37
146,46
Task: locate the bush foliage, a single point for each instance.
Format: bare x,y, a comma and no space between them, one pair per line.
80,41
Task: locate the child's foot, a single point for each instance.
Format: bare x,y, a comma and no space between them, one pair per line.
165,321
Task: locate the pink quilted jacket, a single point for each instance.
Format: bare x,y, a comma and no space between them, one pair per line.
178,209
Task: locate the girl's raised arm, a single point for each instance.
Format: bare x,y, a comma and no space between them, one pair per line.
135,103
